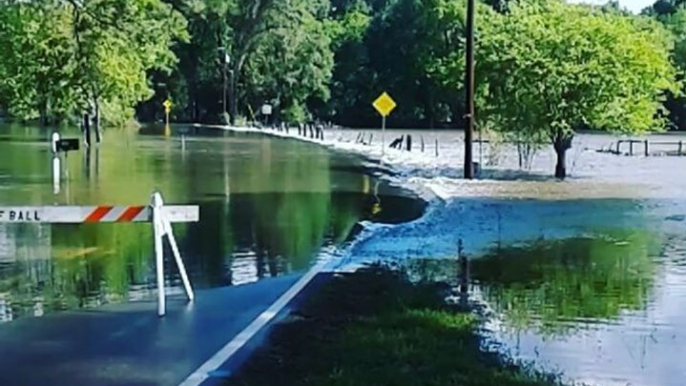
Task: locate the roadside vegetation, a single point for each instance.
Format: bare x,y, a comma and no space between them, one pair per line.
374,327
545,68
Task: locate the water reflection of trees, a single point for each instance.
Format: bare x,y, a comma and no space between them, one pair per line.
553,285
277,209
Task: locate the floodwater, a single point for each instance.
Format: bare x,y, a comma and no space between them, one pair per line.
268,207
584,278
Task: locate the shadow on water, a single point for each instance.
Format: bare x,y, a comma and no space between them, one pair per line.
268,207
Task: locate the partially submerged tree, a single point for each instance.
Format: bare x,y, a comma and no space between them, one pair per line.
276,49
117,43
36,70
551,68
293,62
65,57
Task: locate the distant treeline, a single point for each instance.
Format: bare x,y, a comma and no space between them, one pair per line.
327,60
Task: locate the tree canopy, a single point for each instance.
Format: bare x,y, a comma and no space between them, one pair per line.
550,68
65,57
544,67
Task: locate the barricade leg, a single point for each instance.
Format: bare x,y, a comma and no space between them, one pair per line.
159,253
177,256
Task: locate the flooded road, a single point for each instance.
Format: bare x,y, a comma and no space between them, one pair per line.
268,207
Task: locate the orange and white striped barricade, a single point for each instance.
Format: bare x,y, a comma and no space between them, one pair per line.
156,212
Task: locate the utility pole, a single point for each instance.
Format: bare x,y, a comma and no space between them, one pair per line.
469,100
225,60
224,95
232,98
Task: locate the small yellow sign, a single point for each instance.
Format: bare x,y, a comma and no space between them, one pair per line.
384,104
167,105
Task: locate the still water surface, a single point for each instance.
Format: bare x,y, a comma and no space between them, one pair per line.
268,207
585,278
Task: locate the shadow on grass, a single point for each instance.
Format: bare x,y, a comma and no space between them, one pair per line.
375,328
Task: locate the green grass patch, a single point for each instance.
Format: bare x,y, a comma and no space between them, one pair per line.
375,328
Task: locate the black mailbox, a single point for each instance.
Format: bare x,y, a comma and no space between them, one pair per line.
66,145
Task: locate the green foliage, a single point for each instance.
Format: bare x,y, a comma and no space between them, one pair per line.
291,64
553,68
279,52
65,57
118,42
375,328
544,67
675,22
36,73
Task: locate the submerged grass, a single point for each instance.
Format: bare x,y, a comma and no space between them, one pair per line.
375,328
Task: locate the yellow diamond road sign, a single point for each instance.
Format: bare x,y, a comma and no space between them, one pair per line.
384,104
167,105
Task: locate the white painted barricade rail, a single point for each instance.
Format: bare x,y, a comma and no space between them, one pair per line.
94,214
157,213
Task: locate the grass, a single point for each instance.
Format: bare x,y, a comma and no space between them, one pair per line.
375,328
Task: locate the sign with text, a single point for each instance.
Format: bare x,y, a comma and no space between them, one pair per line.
94,214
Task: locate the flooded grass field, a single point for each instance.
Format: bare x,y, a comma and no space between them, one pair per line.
584,278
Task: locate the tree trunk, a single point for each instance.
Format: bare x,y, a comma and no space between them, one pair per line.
96,120
233,105
233,87
86,129
562,143
561,167
43,112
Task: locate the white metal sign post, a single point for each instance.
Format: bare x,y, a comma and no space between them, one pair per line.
384,104
156,213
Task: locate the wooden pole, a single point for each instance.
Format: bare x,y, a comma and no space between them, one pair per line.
647,149
383,136
469,87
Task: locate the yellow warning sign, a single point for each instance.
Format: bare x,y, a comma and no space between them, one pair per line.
167,105
384,104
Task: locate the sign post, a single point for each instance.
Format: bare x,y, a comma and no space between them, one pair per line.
167,109
384,105
267,112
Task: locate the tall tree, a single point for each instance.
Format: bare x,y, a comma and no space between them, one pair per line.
553,68
117,43
36,70
675,22
292,64
66,56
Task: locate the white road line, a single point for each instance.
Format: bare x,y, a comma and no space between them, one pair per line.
226,352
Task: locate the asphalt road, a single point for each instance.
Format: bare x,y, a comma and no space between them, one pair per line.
129,344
